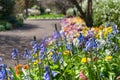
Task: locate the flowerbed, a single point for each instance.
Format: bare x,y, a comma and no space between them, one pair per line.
74,53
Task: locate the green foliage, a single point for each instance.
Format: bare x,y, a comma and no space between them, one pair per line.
7,15
4,25
8,26
7,8
2,28
106,11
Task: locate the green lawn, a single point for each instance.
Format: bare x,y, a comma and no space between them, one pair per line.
47,16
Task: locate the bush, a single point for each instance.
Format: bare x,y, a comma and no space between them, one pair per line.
7,8
69,11
16,22
2,28
109,11
33,12
8,26
4,25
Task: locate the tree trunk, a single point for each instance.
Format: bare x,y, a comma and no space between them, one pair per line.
89,11
86,16
26,7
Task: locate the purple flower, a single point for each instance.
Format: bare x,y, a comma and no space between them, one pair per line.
81,39
90,44
27,54
14,53
54,73
46,76
42,51
90,34
56,56
115,30
56,35
3,72
69,46
36,48
48,73
0,59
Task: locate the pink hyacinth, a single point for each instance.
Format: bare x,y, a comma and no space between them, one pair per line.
82,75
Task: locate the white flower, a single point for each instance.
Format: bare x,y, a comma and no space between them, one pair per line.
107,52
76,42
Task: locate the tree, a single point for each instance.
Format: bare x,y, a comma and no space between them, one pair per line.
29,4
19,6
87,14
7,8
63,5
106,11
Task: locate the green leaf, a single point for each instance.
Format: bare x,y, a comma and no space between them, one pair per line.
15,77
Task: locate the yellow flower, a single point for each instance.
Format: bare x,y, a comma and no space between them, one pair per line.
67,52
50,53
84,60
101,27
36,62
76,35
97,36
8,78
107,58
109,29
105,33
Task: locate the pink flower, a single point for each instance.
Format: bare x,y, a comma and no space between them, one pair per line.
82,75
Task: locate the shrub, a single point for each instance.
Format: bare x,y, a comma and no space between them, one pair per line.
109,11
33,12
69,11
7,8
8,26
2,28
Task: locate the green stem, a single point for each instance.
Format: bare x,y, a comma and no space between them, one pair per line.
40,71
29,69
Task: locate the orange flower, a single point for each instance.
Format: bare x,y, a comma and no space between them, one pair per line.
18,69
25,66
96,29
19,66
17,72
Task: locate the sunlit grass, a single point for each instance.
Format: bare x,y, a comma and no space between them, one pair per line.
47,16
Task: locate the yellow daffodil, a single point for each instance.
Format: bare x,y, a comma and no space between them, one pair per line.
84,60
105,33
67,52
107,58
97,36
36,62
109,29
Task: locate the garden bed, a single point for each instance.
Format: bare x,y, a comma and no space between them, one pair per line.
74,53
